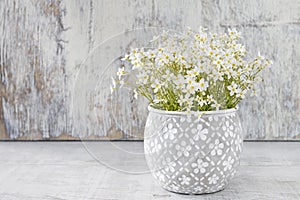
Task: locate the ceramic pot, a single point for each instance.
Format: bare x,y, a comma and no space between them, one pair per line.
193,155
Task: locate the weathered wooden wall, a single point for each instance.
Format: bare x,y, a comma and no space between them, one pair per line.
47,93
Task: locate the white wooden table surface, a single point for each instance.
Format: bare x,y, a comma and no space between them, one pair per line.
69,170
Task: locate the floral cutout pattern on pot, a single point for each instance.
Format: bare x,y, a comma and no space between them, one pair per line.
193,155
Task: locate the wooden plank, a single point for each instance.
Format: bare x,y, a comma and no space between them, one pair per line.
65,170
47,94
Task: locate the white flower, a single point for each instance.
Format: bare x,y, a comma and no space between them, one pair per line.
200,68
238,73
126,57
183,149
155,146
200,166
201,101
216,105
150,54
198,188
209,98
217,75
228,128
218,63
142,78
169,131
200,132
181,100
121,72
232,88
216,148
238,144
182,72
174,187
184,99
184,180
168,76
156,85
179,81
171,167
136,64
228,163
191,87
240,93
203,85
212,180
233,33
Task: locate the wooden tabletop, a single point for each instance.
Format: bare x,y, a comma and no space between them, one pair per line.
117,170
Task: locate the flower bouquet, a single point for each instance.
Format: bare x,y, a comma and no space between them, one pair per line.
193,83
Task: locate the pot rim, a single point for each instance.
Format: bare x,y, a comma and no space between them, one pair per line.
212,112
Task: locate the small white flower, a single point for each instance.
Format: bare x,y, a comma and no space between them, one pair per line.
184,99
216,105
142,78
191,87
209,98
156,85
184,180
213,179
203,85
233,33
136,64
121,72
126,57
183,71
240,93
170,167
238,144
174,187
179,81
183,149
228,163
169,131
217,148
232,88
151,54
201,101
217,75
200,166
200,133
228,128
198,188
168,76
155,146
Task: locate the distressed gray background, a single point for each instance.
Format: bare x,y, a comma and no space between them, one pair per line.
47,94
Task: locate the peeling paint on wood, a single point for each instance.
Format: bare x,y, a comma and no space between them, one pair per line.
47,94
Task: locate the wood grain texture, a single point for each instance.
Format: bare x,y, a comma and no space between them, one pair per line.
64,170
56,59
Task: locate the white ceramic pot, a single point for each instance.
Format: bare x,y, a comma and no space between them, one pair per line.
193,155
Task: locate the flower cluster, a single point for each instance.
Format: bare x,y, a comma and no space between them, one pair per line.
198,71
